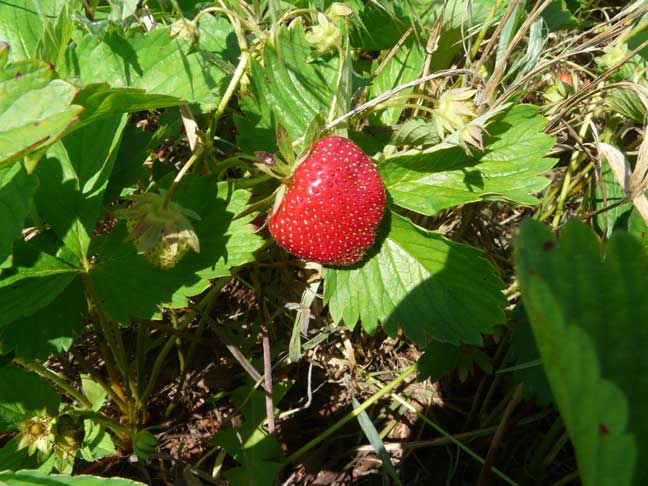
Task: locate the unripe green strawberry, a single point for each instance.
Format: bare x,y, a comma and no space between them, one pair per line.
68,435
163,235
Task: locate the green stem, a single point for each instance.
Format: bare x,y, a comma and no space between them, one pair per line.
571,169
350,416
185,168
57,379
233,84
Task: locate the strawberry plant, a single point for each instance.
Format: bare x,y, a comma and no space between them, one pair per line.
315,242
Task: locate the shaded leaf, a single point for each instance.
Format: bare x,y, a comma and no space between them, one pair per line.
35,478
16,190
249,444
23,395
48,331
225,243
584,311
420,281
74,176
36,279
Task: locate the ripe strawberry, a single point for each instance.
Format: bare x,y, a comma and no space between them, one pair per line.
332,206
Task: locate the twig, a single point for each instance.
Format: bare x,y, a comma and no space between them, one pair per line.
484,475
267,376
388,94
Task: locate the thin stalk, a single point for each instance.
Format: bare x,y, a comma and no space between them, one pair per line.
485,26
536,465
571,169
560,443
350,416
185,168
57,379
231,87
113,339
484,475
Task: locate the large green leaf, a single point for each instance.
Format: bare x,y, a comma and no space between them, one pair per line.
16,191
74,176
34,281
404,66
48,331
22,23
34,109
588,317
154,62
422,282
508,169
286,89
225,243
35,478
23,395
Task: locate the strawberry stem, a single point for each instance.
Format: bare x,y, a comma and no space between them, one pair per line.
185,168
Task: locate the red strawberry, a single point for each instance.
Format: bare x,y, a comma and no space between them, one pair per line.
332,206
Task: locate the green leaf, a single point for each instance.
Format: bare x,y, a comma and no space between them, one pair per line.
34,110
144,444
100,100
225,243
614,218
626,102
217,35
584,311
379,27
97,442
557,16
56,35
637,227
23,395
12,458
249,444
420,281
404,66
416,131
525,350
36,279
35,478
50,330
21,24
16,190
289,88
153,62
74,176
508,169
438,360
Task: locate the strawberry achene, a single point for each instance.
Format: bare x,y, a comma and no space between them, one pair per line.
332,206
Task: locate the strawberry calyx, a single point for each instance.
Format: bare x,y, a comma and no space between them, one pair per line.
161,232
